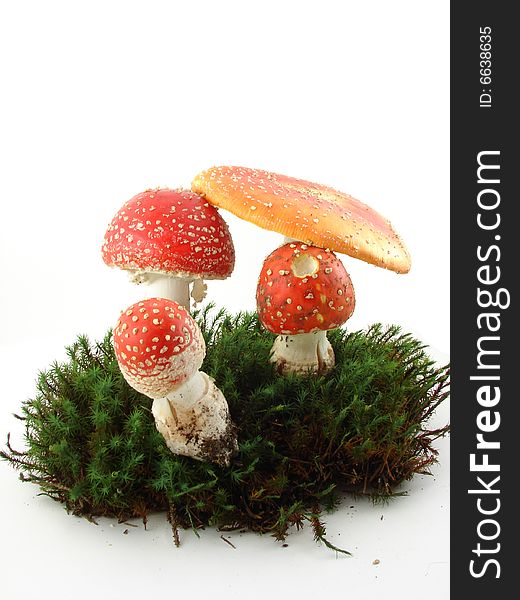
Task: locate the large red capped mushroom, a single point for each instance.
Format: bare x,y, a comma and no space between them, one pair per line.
303,291
160,349
169,239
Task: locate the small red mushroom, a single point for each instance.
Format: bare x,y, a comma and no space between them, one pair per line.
302,292
169,239
160,349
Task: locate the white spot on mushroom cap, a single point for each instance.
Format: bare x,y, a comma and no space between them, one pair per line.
304,265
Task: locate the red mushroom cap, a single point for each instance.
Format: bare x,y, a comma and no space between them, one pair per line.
303,289
158,346
170,231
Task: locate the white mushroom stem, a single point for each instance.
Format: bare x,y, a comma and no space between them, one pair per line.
303,353
160,285
194,421
190,392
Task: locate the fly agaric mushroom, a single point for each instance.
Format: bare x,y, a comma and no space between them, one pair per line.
169,239
305,211
302,292
160,349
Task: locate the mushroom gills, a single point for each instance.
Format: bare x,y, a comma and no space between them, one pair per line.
194,421
303,353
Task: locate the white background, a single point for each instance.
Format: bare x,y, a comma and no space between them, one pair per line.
101,100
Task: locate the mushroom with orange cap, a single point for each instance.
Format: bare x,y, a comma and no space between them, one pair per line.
302,292
304,211
160,349
319,216
170,239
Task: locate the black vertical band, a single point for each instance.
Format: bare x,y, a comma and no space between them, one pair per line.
485,252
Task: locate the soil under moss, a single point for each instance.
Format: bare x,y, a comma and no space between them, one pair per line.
91,442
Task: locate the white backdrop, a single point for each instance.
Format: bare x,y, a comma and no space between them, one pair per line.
101,100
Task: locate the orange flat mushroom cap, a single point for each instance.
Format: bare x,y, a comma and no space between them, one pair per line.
312,213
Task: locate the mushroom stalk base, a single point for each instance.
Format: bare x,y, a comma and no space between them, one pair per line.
194,421
303,353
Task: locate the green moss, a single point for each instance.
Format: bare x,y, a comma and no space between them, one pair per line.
91,442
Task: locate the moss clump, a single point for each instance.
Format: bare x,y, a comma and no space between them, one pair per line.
91,442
